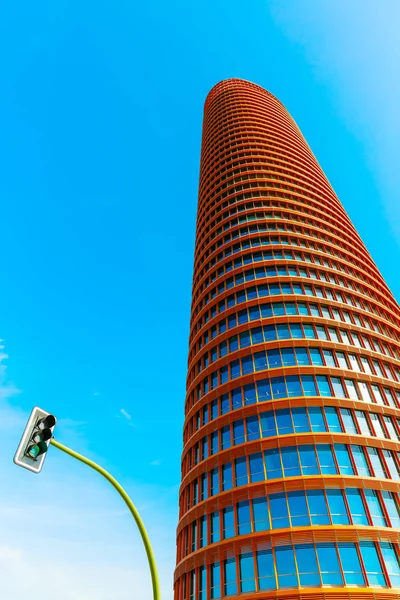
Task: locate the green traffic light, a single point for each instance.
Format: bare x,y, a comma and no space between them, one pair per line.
36,450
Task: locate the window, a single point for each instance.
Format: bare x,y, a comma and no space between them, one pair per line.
230,577
343,459
256,467
290,460
215,575
391,561
307,566
329,564
273,463
260,512
375,508
265,570
279,511
326,460
317,507
214,531
356,506
308,460
228,528
372,564
286,567
351,564
337,507
246,568
243,517
240,471
392,508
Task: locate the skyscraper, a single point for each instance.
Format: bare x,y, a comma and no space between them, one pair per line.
290,466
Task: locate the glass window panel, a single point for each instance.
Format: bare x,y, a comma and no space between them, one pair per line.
321,332
307,566
230,587
302,356
329,360
318,508
316,358
227,477
282,330
316,419
246,570
391,429
332,419
372,564
308,460
309,332
337,507
391,560
225,437
298,509
329,564
326,460
375,508
351,389
260,512
391,464
290,460
252,428
286,567
278,387
360,460
347,418
214,531
256,467
308,385
300,420
343,459
273,463
279,511
363,423
266,571
288,358
341,360
238,432
392,508
284,421
356,505
268,424
228,530
376,462
243,517
293,386
249,394
351,564
240,471
338,387
376,424
260,361
323,385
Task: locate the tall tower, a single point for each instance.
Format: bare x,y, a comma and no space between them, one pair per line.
290,466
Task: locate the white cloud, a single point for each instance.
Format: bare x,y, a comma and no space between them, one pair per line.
125,413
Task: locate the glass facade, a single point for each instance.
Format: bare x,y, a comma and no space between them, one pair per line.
291,458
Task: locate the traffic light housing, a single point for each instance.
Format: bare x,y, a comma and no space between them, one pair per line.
35,440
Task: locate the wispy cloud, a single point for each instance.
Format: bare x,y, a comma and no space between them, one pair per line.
156,462
125,413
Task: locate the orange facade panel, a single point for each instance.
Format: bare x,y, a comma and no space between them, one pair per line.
291,460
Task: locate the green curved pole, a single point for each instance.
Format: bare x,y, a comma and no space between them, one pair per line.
130,505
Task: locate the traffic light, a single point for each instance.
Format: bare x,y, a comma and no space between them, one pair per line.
35,440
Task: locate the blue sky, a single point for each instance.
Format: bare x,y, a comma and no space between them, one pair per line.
101,108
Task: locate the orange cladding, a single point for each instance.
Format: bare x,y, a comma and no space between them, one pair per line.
290,466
